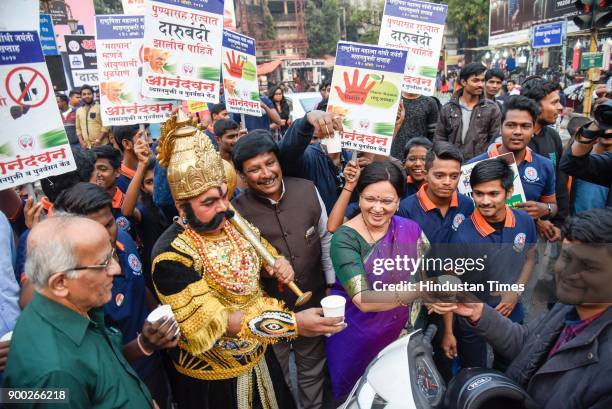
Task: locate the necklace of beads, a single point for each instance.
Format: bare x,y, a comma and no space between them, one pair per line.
232,277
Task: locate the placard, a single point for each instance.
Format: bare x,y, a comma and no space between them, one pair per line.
83,64
365,93
33,142
241,89
120,41
518,194
182,54
418,28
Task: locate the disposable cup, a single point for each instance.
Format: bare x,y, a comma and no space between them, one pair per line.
334,145
161,311
6,337
333,306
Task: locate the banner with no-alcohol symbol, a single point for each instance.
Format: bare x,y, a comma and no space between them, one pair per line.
33,142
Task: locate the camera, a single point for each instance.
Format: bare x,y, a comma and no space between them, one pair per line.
603,116
603,119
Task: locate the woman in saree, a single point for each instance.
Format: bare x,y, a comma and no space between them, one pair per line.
359,250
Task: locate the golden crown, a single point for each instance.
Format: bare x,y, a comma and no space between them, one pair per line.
190,157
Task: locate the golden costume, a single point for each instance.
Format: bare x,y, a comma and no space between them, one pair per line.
205,278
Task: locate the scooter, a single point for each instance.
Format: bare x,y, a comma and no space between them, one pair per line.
404,376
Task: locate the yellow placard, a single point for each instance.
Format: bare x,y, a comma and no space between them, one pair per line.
196,106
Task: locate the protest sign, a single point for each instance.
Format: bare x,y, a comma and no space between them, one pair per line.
241,89
33,142
82,60
418,28
47,35
182,54
518,194
365,93
120,41
133,7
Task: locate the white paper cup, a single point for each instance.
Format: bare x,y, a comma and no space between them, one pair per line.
159,312
6,337
333,306
334,145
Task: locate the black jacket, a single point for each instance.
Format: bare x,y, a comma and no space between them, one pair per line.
485,123
578,375
592,168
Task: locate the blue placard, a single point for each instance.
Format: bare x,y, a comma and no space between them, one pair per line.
211,6
47,35
238,42
20,47
547,35
119,27
370,57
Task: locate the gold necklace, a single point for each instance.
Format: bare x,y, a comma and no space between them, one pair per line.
234,273
367,228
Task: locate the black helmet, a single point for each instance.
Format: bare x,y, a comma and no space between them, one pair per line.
481,388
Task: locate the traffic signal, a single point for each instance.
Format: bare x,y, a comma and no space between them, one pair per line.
602,13
593,13
584,19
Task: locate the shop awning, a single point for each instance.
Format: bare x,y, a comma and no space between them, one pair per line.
267,67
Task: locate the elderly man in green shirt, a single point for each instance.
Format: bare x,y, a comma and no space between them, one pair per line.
60,340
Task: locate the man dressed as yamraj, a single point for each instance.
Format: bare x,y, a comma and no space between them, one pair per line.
209,273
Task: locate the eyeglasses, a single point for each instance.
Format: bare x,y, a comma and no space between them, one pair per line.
104,266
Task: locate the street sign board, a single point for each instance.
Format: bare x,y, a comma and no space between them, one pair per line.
547,35
304,63
591,60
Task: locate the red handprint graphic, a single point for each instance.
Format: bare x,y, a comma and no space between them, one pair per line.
355,93
235,65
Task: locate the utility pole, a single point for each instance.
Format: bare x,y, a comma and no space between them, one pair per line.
343,33
588,94
564,52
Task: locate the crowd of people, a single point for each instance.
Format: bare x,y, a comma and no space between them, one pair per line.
221,219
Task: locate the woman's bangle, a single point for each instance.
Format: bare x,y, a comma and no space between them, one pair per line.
144,351
348,190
